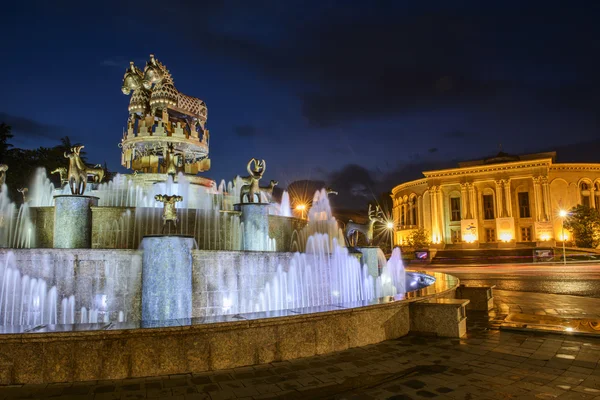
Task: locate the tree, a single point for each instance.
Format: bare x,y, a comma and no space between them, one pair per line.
584,223
5,136
418,239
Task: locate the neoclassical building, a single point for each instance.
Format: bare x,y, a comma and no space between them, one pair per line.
499,201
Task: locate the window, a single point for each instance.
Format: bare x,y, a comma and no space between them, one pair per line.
414,212
455,235
488,206
585,200
402,215
526,234
455,209
585,194
524,205
490,235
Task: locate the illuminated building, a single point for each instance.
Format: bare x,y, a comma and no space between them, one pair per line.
499,201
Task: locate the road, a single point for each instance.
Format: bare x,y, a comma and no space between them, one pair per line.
574,279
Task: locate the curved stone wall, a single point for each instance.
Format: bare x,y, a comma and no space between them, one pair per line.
116,351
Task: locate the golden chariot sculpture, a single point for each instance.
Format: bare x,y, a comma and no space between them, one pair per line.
166,128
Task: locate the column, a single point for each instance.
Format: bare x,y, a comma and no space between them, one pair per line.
420,211
464,213
507,198
592,196
539,214
410,212
499,202
73,221
405,212
472,202
441,216
546,197
166,278
433,204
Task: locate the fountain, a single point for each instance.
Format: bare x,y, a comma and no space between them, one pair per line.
120,256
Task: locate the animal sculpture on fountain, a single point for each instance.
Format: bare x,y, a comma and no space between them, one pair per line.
267,191
165,96
23,192
329,191
3,169
169,210
139,105
375,215
96,172
170,161
77,174
251,187
62,172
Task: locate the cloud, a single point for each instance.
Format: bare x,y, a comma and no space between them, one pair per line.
433,150
32,128
388,60
245,131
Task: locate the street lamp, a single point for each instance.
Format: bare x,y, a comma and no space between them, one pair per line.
390,226
562,214
301,208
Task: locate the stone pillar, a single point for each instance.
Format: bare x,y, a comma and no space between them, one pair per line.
434,216
73,221
464,204
499,202
539,213
370,259
166,278
507,198
472,202
420,211
546,197
441,217
592,197
255,220
405,211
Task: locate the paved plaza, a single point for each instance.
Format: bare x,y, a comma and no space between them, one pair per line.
489,364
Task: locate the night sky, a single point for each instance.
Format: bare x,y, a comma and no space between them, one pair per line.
359,94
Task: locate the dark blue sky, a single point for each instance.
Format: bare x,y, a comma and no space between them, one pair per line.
314,86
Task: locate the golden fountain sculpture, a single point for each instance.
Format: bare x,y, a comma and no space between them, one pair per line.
163,123
251,188
78,172
169,210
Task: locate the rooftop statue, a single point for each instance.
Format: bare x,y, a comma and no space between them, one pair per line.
251,187
375,215
3,169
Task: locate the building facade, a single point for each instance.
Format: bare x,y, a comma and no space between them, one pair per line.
499,201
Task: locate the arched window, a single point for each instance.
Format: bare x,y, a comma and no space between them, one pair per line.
455,208
584,192
413,208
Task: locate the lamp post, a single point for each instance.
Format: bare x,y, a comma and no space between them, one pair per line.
562,214
390,226
301,208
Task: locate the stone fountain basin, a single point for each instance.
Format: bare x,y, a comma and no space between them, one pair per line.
60,353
